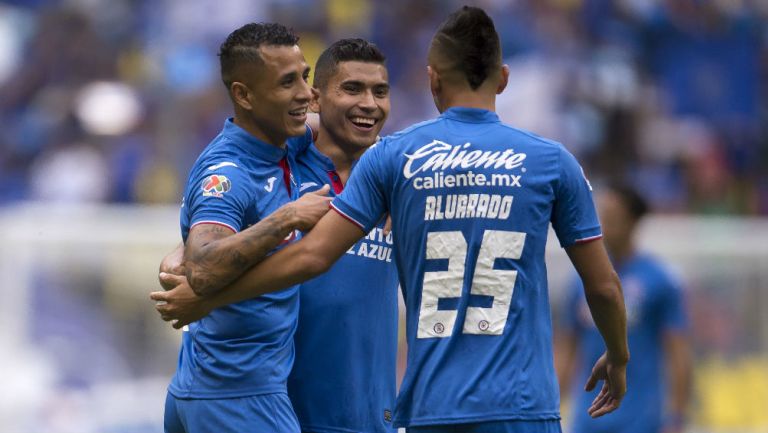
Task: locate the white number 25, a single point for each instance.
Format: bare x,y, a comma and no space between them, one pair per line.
499,284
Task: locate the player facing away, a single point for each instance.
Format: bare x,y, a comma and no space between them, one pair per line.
356,364
656,327
344,374
471,200
233,364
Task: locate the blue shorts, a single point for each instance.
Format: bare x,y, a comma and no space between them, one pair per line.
268,413
548,426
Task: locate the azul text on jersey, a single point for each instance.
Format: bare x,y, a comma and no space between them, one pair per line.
375,246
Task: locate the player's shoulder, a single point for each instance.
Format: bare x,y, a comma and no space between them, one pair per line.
531,136
411,131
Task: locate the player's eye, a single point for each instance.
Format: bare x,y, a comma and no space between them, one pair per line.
351,88
381,91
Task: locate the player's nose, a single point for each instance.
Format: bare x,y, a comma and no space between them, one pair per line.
367,101
305,93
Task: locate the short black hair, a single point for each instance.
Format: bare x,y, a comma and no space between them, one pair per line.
469,40
633,201
241,46
345,50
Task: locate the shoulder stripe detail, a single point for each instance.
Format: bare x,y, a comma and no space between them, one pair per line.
589,239
218,223
347,217
222,164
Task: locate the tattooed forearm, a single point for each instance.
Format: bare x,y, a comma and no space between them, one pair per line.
214,257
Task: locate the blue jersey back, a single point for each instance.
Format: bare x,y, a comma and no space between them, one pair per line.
343,378
245,348
471,201
654,305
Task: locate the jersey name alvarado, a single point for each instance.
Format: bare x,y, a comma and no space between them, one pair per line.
427,165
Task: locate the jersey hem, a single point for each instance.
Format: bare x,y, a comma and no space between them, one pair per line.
580,236
347,217
471,419
317,429
218,223
277,389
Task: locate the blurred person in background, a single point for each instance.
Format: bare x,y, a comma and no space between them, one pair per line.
237,207
349,355
656,326
473,274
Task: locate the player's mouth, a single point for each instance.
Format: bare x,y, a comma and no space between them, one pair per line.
364,123
300,114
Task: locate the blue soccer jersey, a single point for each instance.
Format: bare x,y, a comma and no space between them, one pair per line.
654,304
246,348
343,378
471,201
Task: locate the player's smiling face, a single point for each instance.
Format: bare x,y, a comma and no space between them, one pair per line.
279,94
354,103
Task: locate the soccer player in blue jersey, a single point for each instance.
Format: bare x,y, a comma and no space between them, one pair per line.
344,374
656,324
238,206
471,200
350,354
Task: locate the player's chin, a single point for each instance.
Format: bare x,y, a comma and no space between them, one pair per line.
364,136
296,125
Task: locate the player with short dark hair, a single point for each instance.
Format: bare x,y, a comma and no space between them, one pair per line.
471,200
656,327
238,206
344,374
355,363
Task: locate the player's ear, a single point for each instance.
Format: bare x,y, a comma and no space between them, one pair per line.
435,86
503,80
241,95
314,103
434,80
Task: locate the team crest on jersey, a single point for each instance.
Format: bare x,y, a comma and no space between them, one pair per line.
216,185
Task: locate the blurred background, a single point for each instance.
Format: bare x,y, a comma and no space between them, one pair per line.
105,105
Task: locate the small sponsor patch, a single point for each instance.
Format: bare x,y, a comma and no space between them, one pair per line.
216,185
387,415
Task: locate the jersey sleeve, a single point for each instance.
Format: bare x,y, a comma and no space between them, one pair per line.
220,196
574,218
363,201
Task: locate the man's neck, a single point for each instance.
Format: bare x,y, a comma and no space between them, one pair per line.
469,101
465,97
343,157
251,128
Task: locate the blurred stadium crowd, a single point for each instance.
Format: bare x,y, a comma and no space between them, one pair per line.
110,101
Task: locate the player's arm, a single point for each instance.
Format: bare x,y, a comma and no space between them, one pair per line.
606,304
331,237
214,255
172,264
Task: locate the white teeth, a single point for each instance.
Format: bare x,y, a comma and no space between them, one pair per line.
364,120
301,112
